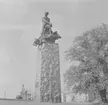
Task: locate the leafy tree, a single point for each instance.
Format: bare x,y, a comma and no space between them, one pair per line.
90,50
18,97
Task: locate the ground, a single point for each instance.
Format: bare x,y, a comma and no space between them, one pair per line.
16,102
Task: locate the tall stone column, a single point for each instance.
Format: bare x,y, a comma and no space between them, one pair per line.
50,83
50,73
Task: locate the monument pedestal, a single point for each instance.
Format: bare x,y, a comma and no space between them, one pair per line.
50,90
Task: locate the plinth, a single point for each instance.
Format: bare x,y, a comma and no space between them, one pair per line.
50,90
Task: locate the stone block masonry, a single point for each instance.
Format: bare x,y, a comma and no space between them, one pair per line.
50,84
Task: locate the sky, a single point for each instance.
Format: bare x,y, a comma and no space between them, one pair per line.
20,24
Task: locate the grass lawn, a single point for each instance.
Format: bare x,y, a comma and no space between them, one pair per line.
16,102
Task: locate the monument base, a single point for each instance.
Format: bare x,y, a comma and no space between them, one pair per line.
50,86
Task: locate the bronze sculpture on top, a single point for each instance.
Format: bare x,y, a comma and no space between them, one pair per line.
46,29
47,34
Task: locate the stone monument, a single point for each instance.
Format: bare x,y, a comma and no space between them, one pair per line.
50,83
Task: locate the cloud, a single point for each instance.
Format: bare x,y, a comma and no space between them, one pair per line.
10,28
61,0
20,1
57,21
30,33
5,76
13,27
4,57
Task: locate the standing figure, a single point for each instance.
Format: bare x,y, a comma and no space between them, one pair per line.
46,29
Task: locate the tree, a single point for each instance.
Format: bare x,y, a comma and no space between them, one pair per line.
18,97
91,51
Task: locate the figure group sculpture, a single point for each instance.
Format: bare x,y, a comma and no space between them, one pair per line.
47,35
